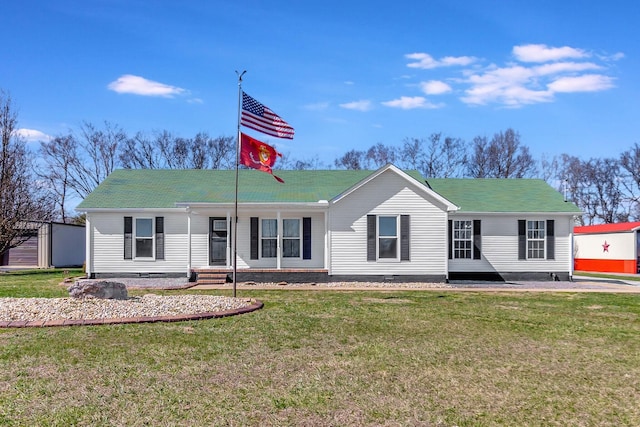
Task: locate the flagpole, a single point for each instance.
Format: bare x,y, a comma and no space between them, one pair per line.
235,216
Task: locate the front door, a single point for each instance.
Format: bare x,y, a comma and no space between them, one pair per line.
218,241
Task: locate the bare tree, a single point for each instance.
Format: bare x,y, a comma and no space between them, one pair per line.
139,152
502,157
435,157
58,156
353,159
379,155
594,186
171,152
630,163
479,164
223,152
22,198
312,163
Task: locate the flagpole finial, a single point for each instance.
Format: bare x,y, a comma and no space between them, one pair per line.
240,75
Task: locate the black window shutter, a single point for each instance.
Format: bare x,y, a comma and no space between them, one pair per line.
449,238
306,238
159,237
128,237
405,237
522,239
551,239
371,237
477,240
254,237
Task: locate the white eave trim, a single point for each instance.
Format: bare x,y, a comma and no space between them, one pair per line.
320,204
111,210
523,213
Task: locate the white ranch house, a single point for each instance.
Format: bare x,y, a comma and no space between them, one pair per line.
327,225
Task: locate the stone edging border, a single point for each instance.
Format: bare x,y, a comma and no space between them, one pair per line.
255,305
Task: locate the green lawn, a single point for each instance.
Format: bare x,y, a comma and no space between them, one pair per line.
321,358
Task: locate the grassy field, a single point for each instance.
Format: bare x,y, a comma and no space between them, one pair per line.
320,358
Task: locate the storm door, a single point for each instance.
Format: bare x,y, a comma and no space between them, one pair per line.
218,241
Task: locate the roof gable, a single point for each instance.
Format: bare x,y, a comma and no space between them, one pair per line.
412,177
493,195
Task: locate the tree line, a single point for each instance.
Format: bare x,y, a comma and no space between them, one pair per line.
37,184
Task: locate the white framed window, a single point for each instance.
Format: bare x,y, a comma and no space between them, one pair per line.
269,238
143,238
462,239
291,234
388,237
536,235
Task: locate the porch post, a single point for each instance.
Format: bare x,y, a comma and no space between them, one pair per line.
229,231
278,247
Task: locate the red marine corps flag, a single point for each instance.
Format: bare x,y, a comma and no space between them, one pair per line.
258,155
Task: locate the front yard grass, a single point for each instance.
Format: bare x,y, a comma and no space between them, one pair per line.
337,358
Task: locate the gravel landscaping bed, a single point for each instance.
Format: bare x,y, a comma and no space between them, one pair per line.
46,309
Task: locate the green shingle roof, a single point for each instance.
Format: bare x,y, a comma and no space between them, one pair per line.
502,195
161,188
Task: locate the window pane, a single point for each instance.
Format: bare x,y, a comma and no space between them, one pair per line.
387,226
388,247
269,248
291,227
144,227
269,228
291,248
462,239
144,248
219,225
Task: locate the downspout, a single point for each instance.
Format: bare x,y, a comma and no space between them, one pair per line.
50,244
88,247
188,243
327,243
571,243
446,245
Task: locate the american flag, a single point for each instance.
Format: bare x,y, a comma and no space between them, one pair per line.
258,117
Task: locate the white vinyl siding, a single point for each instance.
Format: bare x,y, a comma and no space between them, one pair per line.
500,246
108,242
387,195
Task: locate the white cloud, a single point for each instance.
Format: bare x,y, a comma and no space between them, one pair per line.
426,62
318,106
584,83
411,102
140,86
363,105
32,135
543,53
537,75
435,87
564,67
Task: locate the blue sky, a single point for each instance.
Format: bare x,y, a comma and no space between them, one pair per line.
345,74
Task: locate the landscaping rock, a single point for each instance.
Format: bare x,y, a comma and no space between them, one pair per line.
98,289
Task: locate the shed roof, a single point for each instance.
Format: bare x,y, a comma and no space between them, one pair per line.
502,195
620,227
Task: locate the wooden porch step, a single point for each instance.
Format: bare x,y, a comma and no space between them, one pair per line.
211,277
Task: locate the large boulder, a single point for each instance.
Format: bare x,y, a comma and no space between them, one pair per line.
98,289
